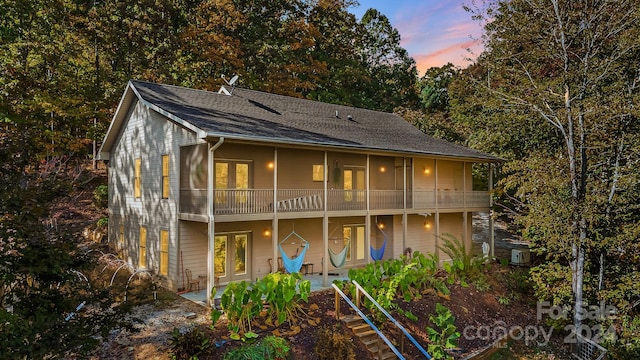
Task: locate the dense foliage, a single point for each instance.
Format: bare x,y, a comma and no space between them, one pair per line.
65,63
555,93
48,307
277,297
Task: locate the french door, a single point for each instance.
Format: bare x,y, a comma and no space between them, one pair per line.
354,184
232,182
356,253
231,256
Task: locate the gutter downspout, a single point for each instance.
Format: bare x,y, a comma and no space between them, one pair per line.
405,218
275,231
367,219
325,224
211,225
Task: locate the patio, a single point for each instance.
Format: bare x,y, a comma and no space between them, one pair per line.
200,297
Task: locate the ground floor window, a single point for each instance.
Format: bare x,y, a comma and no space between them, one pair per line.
142,251
164,252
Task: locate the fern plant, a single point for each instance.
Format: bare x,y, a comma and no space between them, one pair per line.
463,265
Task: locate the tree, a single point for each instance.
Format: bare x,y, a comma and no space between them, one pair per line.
41,281
393,73
570,65
434,87
336,34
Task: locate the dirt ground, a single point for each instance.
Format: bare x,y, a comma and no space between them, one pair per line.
152,324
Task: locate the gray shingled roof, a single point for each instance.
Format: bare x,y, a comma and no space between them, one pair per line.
254,115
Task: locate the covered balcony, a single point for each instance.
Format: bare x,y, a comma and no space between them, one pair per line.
261,201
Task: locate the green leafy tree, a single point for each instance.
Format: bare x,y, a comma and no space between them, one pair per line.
434,87
336,34
393,73
42,286
569,66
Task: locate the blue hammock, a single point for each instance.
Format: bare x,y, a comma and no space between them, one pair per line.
293,265
378,254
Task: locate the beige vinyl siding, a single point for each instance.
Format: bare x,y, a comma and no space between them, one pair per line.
452,224
121,237
450,175
193,248
295,169
148,136
419,237
424,176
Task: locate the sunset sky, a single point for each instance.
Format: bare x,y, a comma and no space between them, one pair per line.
434,32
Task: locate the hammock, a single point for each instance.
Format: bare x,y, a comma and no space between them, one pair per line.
337,260
377,254
293,265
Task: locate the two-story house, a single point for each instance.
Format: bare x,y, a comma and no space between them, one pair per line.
224,183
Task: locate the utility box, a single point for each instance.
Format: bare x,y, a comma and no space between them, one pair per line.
520,256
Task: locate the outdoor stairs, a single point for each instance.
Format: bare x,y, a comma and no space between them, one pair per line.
368,337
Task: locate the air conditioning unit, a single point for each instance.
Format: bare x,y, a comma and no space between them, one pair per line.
520,256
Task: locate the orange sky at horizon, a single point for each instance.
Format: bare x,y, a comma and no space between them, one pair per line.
434,32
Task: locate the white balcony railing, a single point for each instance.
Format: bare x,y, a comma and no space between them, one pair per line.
252,201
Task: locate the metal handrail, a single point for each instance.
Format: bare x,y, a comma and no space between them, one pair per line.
366,319
394,321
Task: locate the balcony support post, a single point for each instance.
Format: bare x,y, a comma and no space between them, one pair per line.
325,231
404,203
274,223
437,217
367,228
211,225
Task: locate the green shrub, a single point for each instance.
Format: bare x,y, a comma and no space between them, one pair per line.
333,344
625,343
102,223
243,301
481,284
101,196
552,282
445,335
406,278
269,348
188,345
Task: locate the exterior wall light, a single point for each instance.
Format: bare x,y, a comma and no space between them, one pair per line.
266,232
270,165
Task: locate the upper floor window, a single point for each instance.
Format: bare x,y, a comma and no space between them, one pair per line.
137,178
318,172
165,176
